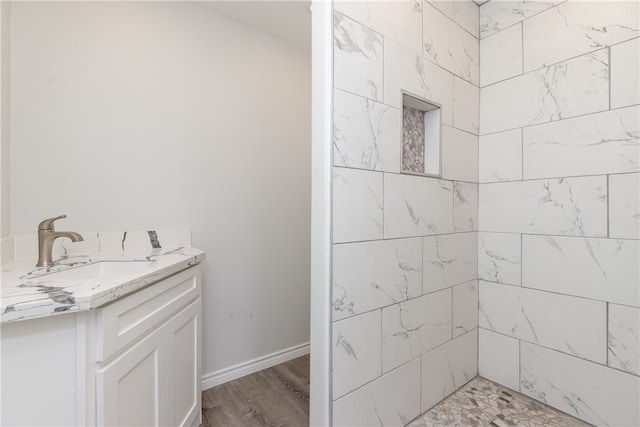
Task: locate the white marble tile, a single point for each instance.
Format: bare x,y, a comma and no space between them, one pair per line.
465,206
586,390
449,259
444,6
565,206
465,307
448,368
625,74
624,206
500,156
391,400
357,205
575,28
498,15
417,206
576,326
406,71
466,104
356,352
567,89
624,338
357,58
370,275
499,257
466,14
601,269
501,55
366,134
602,143
413,327
447,44
459,155
401,21
499,358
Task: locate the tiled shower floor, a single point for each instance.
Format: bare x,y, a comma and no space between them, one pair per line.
484,403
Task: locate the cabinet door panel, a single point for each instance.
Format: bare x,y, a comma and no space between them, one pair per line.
131,388
183,370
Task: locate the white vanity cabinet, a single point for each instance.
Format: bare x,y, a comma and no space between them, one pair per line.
133,362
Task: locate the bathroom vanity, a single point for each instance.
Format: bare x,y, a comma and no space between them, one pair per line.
103,340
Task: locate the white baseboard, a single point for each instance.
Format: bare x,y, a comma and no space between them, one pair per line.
240,370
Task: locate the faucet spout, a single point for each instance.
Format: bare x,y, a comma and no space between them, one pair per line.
46,236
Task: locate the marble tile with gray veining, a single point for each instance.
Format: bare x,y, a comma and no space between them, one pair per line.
400,21
465,307
499,358
600,269
450,46
405,70
501,56
411,328
366,134
500,156
575,326
567,89
565,206
357,56
466,14
357,205
625,74
370,275
466,104
602,143
499,257
356,352
624,338
448,259
412,140
465,206
448,367
624,206
498,15
589,391
575,28
391,400
417,206
459,155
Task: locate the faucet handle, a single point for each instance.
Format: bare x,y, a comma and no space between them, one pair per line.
47,224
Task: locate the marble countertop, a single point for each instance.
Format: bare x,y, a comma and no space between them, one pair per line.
28,292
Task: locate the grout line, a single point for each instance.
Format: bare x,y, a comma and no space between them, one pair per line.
555,293
606,331
521,47
559,120
521,259
520,366
556,235
608,209
522,154
609,73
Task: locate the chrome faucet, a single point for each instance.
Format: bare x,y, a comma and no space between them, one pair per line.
46,236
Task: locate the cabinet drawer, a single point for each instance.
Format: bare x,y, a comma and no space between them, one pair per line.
123,321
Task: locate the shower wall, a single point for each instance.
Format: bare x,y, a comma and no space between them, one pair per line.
558,248
405,291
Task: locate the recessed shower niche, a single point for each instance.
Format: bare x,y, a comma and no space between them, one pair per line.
420,136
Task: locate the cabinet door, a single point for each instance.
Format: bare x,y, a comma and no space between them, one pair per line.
131,389
183,366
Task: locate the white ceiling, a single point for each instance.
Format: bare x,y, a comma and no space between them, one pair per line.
288,20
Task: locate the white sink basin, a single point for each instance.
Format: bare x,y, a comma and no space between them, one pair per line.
99,270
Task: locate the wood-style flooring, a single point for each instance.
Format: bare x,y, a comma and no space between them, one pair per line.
277,396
